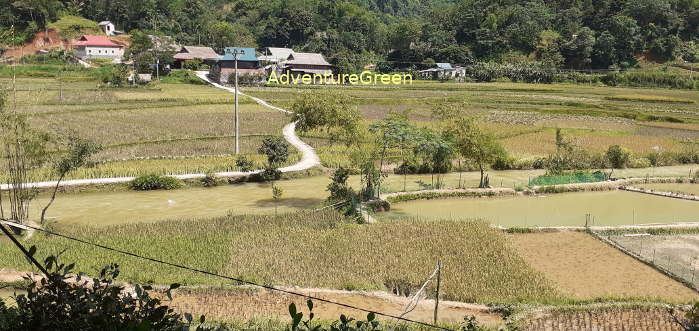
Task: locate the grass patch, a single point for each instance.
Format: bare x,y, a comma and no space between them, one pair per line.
182,77
309,250
579,177
74,26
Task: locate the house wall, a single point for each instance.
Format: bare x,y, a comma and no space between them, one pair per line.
241,64
99,52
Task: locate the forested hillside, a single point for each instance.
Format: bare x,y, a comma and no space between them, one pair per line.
402,33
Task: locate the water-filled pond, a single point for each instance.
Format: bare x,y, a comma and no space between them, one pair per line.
103,208
569,209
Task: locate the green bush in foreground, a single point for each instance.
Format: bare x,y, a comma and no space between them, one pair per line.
58,303
155,182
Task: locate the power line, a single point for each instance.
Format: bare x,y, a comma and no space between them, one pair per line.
179,266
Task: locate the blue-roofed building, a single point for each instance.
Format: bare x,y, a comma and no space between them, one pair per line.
223,67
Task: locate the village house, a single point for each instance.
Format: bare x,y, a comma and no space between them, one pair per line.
187,53
224,66
275,54
441,71
93,47
107,27
307,63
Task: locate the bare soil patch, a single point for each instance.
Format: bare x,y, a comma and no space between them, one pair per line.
586,268
249,303
678,254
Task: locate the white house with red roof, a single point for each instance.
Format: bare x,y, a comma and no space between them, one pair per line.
91,47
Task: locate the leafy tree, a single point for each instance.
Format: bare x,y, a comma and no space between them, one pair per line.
475,145
579,49
332,113
276,150
437,151
23,150
394,131
77,156
338,187
617,157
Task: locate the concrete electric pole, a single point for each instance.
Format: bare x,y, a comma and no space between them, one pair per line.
235,52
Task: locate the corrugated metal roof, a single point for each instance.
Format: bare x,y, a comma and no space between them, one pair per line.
278,53
308,58
445,66
195,52
95,41
248,54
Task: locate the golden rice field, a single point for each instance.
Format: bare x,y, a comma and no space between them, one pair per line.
480,265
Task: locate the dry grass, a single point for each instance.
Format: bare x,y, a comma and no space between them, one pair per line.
586,268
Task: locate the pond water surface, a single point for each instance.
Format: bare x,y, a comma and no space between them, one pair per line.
569,209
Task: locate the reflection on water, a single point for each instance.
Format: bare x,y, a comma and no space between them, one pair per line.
605,208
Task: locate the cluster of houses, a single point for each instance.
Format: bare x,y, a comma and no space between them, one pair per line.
249,60
274,59
221,66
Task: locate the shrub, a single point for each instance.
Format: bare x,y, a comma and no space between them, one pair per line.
182,77
192,64
73,26
52,57
155,182
270,174
618,157
57,303
210,180
114,75
244,164
249,79
650,79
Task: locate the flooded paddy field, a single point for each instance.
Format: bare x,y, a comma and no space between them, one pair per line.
568,209
108,208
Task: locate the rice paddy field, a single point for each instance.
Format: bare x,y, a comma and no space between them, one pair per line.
480,265
568,209
165,121
585,268
525,116
163,129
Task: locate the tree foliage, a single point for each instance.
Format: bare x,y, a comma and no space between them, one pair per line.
591,34
333,113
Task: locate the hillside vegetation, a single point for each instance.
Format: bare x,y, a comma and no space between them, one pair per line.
586,34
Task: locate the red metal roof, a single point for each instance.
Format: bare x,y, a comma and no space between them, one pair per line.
95,41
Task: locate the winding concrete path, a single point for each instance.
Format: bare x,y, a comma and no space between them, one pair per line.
309,158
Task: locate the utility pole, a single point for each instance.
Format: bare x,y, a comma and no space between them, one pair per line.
436,299
235,52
